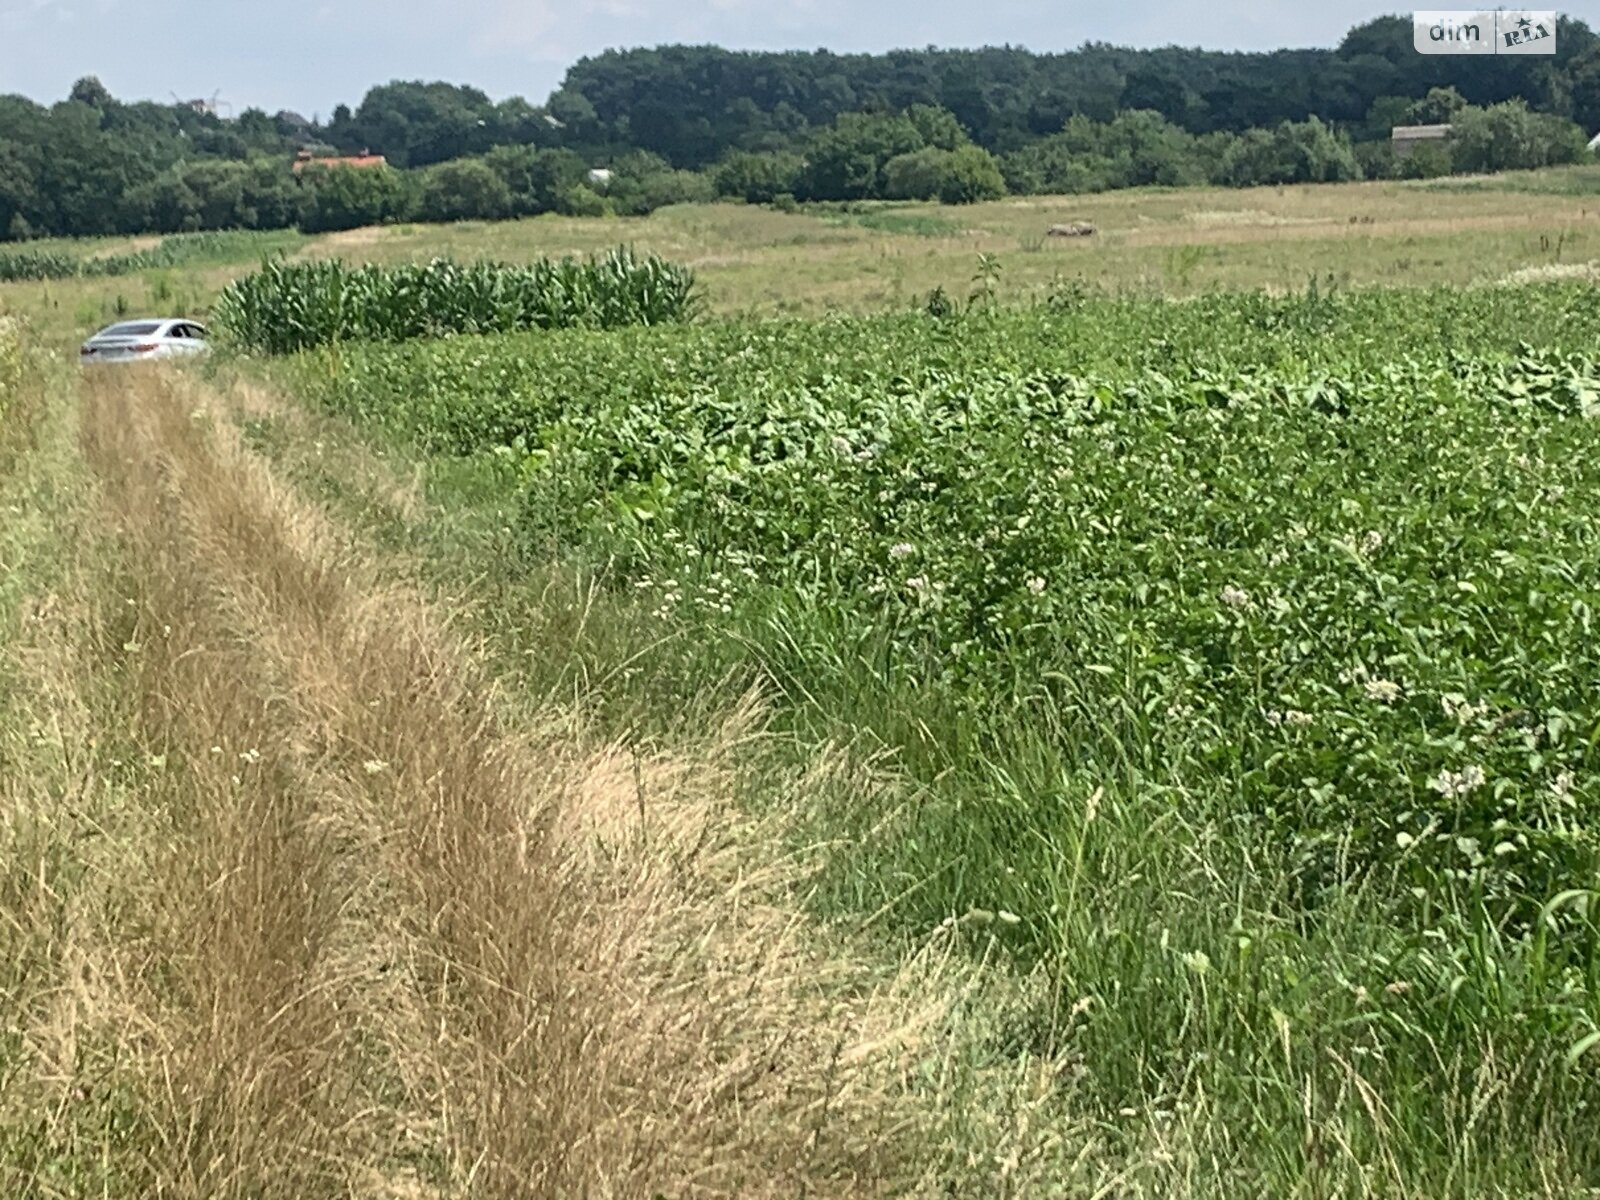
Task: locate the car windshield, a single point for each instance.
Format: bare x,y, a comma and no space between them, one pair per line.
130,329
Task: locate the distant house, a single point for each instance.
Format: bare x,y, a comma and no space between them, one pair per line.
305,158
291,121
1594,143
600,177
1406,138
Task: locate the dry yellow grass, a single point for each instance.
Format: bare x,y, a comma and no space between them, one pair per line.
299,903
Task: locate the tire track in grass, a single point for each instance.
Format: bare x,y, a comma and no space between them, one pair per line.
406,948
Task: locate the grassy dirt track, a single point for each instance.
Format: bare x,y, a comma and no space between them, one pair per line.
300,902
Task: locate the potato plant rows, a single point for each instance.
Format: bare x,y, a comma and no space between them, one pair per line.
1269,621
1342,547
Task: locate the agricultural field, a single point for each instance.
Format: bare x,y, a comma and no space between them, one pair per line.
1233,659
752,260
1002,719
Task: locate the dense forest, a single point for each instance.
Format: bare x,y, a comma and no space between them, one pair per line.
684,123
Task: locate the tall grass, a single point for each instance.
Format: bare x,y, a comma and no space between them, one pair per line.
20,392
295,902
286,307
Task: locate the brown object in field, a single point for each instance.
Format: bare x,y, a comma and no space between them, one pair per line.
1075,229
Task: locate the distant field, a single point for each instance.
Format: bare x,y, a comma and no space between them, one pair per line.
1151,241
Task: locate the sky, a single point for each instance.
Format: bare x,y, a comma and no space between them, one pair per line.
309,55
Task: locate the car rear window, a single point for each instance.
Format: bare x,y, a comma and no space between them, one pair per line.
131,329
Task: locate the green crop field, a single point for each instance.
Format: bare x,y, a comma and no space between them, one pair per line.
1191,625
1234,657
757,260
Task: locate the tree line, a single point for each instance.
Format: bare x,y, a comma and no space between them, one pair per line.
684,123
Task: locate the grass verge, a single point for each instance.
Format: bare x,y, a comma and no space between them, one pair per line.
299,902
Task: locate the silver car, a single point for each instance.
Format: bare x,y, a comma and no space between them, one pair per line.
144,341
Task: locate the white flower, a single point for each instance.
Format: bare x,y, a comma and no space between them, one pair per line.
841,445
1384,691
1235,597
1458,783
1562,787
917,583
1459,710
1036,585
1372,543
902,550
251,756
1295,717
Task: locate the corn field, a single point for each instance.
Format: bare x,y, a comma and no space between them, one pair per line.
285,307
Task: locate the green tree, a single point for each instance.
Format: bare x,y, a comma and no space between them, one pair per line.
89,91
938,127
971,174
1584,75
539,180
83,172
19,195
757,178
344,197
1511,136
1427,160
1134,149
961,176
463,189
918,175
1438,107
1294,152
165,204
846,160
1385,113
415,124
581,201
